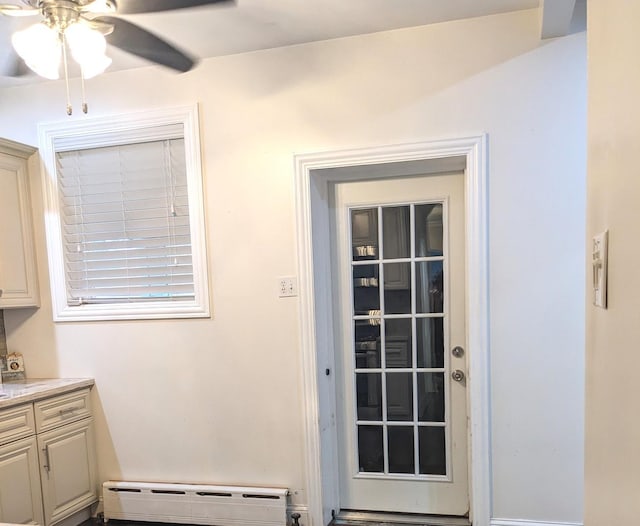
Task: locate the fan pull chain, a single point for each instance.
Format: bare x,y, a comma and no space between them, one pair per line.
85,108
66,73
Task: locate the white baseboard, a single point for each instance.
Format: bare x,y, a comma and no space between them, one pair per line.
516,522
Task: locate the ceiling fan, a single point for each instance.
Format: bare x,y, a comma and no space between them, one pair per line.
84,27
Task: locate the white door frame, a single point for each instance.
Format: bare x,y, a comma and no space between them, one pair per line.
314,175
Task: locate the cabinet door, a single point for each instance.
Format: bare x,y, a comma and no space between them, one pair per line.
20,497
68,470
18,279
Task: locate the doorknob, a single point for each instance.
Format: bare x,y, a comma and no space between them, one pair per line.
457,375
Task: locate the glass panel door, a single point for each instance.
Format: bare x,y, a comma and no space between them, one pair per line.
398,258
399,311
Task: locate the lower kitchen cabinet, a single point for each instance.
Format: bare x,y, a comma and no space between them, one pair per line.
20,497
47,460
68,470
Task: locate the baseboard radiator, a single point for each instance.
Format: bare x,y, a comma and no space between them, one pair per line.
195,504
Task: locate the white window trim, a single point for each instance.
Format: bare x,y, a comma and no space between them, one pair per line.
100,131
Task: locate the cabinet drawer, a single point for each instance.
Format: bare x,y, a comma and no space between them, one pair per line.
17,422
63,409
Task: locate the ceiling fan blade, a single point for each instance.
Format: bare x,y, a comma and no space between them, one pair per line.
16,10
99,6
12,65
127,7
137,41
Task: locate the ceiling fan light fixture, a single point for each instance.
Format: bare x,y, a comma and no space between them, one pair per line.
39,46
94,67
88,48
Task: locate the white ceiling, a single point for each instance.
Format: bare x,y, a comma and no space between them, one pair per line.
251,25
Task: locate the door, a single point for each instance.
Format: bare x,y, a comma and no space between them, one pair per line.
68,468
20,497
400,336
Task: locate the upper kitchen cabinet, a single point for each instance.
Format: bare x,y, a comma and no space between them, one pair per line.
18,276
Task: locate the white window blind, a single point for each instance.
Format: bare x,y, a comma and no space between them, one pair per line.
124,214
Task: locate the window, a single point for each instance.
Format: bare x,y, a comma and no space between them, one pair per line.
125,223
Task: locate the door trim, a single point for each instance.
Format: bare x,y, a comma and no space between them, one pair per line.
314,174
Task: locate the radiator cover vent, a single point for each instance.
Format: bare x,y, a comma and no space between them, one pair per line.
195,503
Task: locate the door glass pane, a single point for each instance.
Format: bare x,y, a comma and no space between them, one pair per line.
367,343
429,287
394,398
397,288
400,441
399,396
366,291
397,342
432,452
364,233
429,231
396,231
430,342
370,449
369,396
431,397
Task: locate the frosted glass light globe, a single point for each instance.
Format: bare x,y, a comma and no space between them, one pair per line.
39,46
88,48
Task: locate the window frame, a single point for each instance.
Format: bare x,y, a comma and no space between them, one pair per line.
107,131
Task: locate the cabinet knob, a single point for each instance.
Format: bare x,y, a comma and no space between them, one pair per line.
1,291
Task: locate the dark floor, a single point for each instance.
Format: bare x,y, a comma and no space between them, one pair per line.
346,521
113,522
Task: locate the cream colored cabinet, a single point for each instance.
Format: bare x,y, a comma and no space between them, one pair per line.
67,455
18,276
20,496
47,460
68,470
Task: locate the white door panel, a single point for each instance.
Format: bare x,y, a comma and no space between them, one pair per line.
400,310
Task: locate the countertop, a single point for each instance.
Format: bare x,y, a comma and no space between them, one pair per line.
30,390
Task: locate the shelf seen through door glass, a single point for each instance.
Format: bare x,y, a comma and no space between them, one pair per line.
364,233
366,290
367,343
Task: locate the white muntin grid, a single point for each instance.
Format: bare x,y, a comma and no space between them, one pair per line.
380,317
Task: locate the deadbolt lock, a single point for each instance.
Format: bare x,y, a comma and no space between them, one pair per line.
458,352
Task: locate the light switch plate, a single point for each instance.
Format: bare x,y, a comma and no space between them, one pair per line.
287,286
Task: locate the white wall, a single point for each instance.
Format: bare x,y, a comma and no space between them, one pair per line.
612,460
219,400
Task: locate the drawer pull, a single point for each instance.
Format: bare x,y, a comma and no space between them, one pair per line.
67,411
